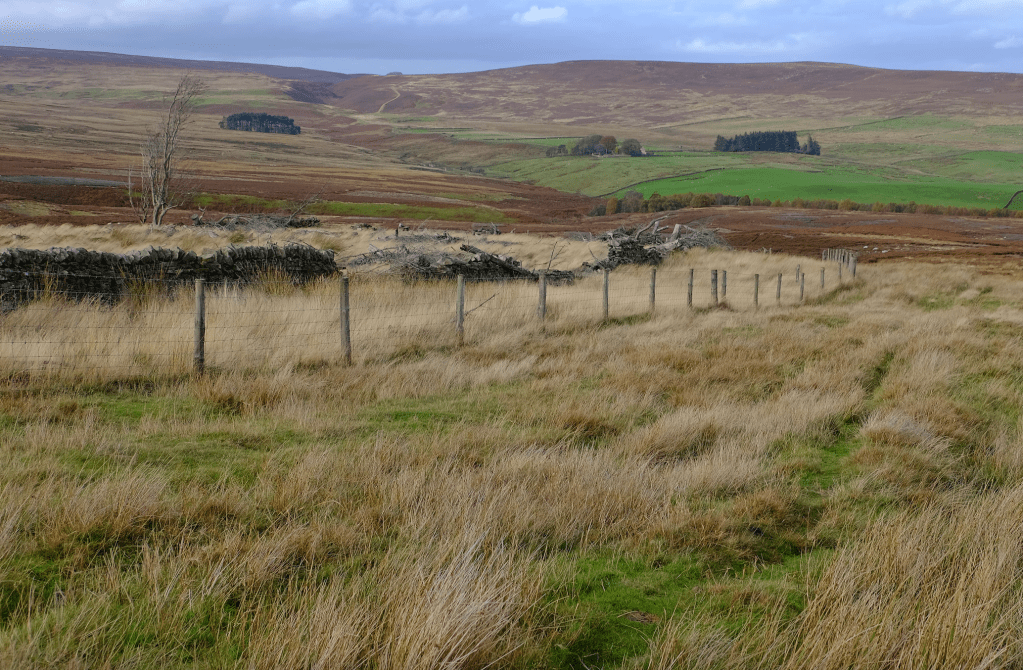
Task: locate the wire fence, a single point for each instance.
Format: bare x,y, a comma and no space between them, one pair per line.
161,328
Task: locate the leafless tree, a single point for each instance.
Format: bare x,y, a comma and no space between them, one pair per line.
160,186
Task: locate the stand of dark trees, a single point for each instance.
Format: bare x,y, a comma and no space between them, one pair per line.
599,145
261,123
782,141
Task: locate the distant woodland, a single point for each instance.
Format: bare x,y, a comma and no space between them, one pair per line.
599,145
784,141
261,123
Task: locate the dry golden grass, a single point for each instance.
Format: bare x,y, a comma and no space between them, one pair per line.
844,475
274,324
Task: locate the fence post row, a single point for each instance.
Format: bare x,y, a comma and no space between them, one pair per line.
607,310
346,324
199,354
541,309
460,311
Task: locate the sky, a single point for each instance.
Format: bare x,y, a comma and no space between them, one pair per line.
436,36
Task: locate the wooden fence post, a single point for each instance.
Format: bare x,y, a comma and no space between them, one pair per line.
607,284
199,355
714,286
689,296
822,279
460,311
756,291
724,284
346,325
778,296
798,272
541,309
852,266
653,288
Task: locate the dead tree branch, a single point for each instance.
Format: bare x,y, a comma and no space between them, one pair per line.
161,183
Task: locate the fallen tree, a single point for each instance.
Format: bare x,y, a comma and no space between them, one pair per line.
645,245
413,263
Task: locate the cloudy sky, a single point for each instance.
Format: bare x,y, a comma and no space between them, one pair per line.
424,36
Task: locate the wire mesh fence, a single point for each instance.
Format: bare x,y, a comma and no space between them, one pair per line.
276,323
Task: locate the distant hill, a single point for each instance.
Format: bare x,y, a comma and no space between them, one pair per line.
644,93
99,57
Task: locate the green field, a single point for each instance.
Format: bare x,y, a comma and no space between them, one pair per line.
600,176
862,172
835,184
925,158
476,214
240,203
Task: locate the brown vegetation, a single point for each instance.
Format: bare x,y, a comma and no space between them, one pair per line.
844,474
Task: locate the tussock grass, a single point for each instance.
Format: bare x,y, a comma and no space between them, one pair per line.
832,484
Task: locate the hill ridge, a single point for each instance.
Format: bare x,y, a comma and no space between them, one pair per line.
131,60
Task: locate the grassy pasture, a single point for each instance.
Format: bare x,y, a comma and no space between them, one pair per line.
833,183
836,484
596,176
238,203
969,179
926,158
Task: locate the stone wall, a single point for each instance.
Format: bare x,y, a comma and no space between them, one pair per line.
82,274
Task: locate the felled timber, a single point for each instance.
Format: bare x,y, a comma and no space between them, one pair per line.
477,265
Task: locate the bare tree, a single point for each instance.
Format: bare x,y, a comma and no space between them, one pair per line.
160,185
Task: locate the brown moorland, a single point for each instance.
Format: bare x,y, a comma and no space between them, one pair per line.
831,480
80,115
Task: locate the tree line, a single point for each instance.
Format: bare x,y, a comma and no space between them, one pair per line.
784,141
598,145
261,122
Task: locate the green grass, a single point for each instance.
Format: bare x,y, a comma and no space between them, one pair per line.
978,166
245,203
569,142
858,185
598,176
426,415
920,122
1005,132
441,213
239,203
921,158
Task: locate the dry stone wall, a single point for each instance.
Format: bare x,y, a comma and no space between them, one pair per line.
82,274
